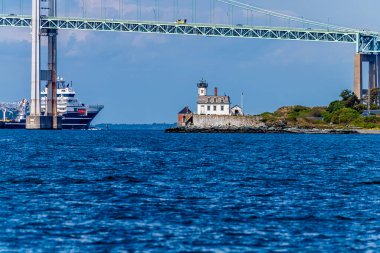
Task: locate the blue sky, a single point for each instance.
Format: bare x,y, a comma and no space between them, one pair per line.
144,78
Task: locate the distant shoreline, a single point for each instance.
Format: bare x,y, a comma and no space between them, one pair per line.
269,130
152,126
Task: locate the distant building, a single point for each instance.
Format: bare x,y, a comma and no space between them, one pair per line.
237,111
185,117
211,105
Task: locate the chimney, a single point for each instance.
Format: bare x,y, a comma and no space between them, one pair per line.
216,91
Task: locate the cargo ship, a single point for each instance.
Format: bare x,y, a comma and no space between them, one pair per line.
75,115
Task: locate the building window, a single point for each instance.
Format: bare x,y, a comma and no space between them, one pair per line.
214,107
214,100
201,91
222,100
184,119
208,108
222,108
209,100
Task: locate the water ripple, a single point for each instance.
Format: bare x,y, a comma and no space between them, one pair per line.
147,191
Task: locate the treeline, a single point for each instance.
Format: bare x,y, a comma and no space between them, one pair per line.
345,112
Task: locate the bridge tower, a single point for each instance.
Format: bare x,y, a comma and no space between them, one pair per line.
373,72
50,119
51,105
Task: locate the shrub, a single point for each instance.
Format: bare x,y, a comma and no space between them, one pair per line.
317,112
344,116
335,106
371,119
267,116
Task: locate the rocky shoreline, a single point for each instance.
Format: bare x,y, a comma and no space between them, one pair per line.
262,130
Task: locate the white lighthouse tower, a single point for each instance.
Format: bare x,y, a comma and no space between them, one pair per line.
202,88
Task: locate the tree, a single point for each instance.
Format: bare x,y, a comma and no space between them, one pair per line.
345,115
349,98
346,94
335,106
375,96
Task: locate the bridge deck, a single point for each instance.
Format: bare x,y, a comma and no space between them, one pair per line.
367,42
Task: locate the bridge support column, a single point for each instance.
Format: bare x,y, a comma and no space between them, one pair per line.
358,76
51,106
373,72
36,120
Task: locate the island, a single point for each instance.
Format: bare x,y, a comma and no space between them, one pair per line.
347,115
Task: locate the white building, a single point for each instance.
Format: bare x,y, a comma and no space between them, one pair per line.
237,111
211,105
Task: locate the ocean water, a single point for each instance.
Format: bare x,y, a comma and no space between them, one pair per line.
147,191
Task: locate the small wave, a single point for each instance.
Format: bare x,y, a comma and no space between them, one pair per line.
136,151
247,179
296,218
6,140
26,181
132,150
72,181
121,178
370,183
340,217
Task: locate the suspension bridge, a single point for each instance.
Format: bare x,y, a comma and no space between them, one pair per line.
240,21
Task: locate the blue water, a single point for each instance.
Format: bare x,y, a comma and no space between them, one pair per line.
126,191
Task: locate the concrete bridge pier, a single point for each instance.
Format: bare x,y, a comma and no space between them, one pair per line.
36,120
373,72
51,106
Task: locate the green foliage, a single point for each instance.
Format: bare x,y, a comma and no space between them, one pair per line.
371,119
267,116
346,94
375,96
343,116
299,108
317,112
335,106
349,99
344,112
337,112
360,108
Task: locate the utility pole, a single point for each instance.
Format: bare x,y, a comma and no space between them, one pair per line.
369,101
242,102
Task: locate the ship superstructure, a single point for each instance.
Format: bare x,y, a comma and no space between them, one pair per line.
75,115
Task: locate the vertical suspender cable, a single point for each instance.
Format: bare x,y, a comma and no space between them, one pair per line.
232,15
122,9
210,11
174,17
83,8
195,9
137,9
101,8
213,11
192,11
157,10
66,4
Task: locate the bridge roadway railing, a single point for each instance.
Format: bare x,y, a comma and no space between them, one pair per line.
366,42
